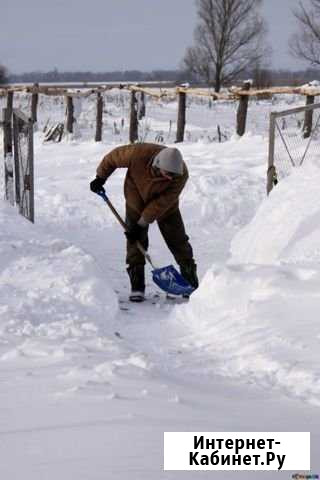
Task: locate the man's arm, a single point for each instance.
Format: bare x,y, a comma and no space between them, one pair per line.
120,157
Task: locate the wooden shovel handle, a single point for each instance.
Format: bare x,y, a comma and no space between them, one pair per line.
124,225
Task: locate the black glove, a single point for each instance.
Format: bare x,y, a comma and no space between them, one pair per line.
134,233
97,185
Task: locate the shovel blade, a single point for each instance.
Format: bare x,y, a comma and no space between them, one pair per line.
171,281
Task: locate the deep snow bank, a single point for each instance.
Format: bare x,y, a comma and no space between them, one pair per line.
49,289
261,323
227,182
286,227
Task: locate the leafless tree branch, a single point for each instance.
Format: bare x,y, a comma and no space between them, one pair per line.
228,39
305,43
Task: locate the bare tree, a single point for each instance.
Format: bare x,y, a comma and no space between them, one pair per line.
305,44
228,40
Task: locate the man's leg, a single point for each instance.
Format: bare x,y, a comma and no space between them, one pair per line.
174,234
136,261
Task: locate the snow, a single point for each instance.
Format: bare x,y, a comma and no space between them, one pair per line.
289,218
89,382
313,83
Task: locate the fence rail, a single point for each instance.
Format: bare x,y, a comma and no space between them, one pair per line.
166,90
231,93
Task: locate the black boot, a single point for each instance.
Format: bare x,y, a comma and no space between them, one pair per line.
188,270
137,280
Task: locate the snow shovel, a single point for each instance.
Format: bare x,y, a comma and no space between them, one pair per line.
167,278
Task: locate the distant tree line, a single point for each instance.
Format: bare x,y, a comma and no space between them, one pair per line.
261,77
114,76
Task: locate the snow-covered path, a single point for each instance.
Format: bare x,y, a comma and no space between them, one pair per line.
85,434
88,388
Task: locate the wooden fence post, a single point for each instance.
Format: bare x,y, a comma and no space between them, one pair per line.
8,155
142,106
133,128
34,103
70,118
242,110
219,133
181,122
8,121
99,120
271,172
7,131
308,116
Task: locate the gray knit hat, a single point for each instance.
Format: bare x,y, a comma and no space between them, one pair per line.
169,159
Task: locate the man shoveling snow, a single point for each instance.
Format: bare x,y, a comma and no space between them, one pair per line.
155,178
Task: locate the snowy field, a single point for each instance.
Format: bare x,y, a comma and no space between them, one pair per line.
89,383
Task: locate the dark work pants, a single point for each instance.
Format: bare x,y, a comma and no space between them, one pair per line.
173,232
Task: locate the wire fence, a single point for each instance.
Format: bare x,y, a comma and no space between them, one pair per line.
293,140
291,148
23,164
16,169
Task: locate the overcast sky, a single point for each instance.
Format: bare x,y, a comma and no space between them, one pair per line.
106,35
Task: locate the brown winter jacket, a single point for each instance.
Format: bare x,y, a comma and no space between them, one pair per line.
151,196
